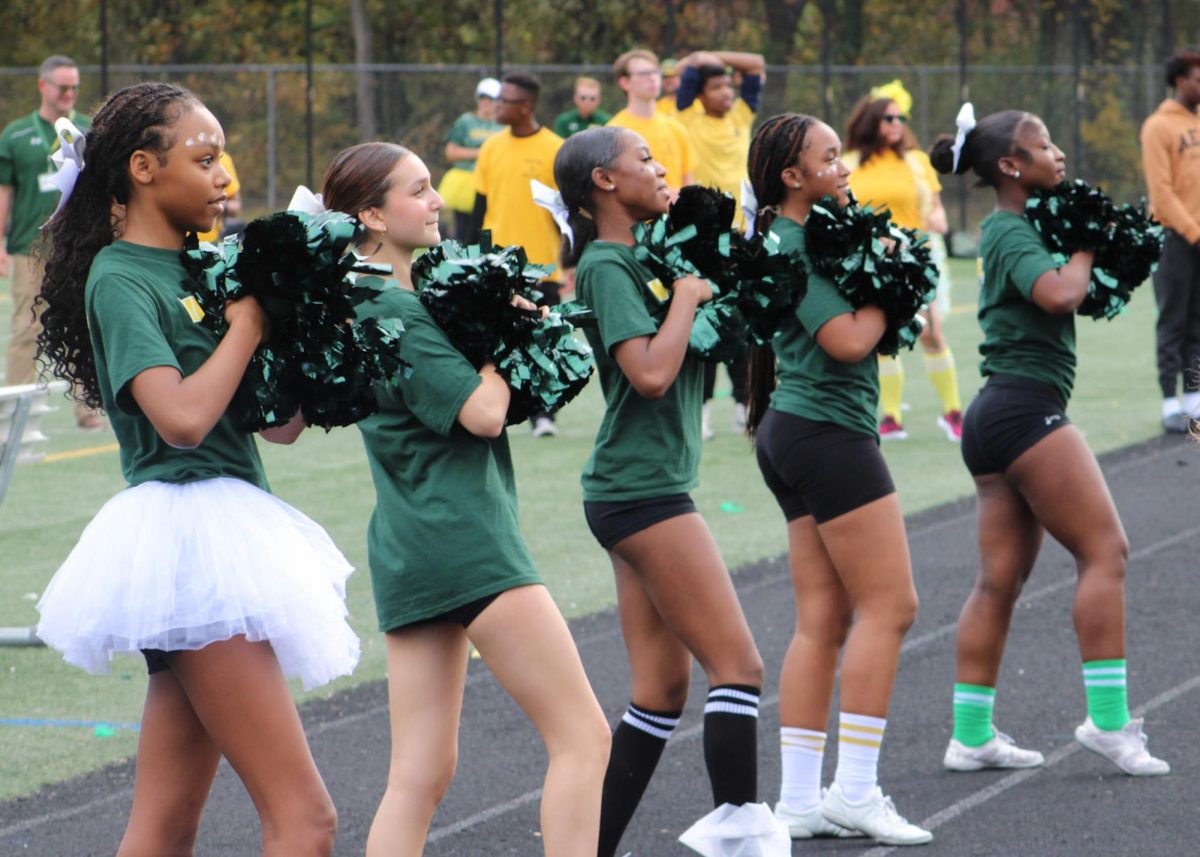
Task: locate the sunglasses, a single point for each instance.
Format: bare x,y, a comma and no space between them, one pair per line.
64,88
894,117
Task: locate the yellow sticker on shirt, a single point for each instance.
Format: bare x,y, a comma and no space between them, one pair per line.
658,289
193,308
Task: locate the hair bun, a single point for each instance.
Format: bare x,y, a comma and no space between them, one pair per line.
941,155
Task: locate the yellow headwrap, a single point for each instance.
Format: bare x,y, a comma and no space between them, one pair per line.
894,91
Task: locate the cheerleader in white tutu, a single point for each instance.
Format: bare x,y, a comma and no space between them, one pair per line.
225,589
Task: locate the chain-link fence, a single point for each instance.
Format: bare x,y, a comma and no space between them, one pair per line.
1093,116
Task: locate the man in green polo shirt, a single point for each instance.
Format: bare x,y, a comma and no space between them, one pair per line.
587,112
27,199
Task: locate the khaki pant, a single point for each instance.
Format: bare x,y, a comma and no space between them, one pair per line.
20,366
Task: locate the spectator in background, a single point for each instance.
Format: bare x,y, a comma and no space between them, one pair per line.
670,85
523,150
640,79
463,143
27,199
1170,141
587,110
719,130
233,206
888,171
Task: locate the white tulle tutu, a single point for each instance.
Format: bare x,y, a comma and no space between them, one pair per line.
178,566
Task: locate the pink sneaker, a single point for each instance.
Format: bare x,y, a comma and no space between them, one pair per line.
951,423
889,429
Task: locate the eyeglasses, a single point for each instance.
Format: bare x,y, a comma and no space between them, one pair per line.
64,88
894,117
647,73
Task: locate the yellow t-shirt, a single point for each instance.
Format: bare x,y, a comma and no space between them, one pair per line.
235,186
667,139
905,186
502,173
666,105
721,146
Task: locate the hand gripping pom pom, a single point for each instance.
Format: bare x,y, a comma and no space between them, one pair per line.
755,287
850,246
1074,216
468,291
300,268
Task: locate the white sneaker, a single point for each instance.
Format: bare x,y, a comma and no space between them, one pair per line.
999,752
739,418
875,816
811,824
706,429
544,427
1126,748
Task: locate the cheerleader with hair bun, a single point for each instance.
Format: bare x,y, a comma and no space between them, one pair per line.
448,565
1033,470
225,589
675,597
813,419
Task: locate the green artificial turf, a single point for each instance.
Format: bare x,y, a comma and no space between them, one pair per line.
325,475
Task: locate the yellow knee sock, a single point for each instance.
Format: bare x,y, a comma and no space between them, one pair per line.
944,377
891,386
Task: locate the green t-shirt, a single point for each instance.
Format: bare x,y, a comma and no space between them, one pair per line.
812,384
445,530
469,131
572,123
1019,337
140,316
645,447
25,148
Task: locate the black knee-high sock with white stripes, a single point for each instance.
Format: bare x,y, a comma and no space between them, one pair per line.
637,745
731,743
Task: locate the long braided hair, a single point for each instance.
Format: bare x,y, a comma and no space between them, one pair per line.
133,118
775,147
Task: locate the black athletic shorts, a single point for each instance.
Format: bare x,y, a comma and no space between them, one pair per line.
818,468
1009,415
156,661
612,521
464,614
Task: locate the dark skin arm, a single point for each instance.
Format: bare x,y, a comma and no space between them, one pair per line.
651,363
1061,291
852,336
477,218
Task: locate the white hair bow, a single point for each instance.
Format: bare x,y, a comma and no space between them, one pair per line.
68,158
306,201
551,200
966,123
749,206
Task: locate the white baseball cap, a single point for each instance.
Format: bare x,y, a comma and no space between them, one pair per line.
489,87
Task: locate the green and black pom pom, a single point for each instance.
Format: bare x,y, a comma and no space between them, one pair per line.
754,285
468,291
1075,216
300,268
873,262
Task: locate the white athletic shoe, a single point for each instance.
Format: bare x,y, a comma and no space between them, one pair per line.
544,427
999,752
1126,748
875,816
739,418
706,429
811,824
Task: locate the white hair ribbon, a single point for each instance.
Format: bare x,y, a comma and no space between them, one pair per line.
966,123
749,206
68,158
551,200
306,201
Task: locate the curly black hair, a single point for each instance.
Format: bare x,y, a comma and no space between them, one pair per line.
136,117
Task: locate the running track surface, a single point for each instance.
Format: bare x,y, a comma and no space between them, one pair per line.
1078,804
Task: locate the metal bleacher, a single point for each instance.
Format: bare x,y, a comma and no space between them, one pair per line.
21,410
